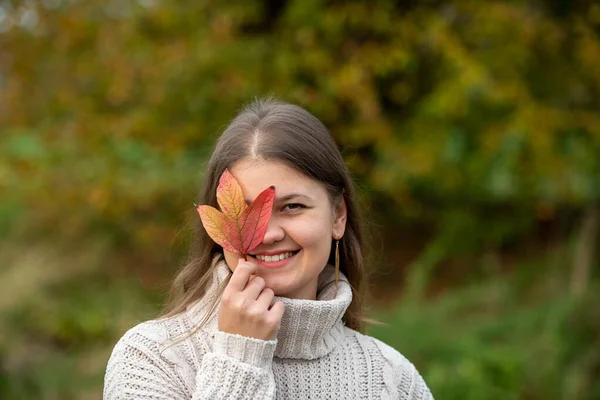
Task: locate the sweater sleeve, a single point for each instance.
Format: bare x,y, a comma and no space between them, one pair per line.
402,380
237,368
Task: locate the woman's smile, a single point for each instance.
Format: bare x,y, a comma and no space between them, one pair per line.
274,259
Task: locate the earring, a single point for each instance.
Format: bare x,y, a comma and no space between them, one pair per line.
337,266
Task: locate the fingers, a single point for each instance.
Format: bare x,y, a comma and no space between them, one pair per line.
240,276
277,310
255,287
264,299
246,307
263,303
273,320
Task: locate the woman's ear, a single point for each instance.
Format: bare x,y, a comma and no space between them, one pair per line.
339,222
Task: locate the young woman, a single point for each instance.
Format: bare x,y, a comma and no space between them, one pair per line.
286,323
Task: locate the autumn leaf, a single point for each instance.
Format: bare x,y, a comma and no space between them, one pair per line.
230,196
237,228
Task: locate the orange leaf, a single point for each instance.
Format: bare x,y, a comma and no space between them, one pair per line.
230,197
218,226
238,228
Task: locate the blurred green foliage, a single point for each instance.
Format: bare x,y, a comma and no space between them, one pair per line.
472,129
490,341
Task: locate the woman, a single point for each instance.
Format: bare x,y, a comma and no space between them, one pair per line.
286,322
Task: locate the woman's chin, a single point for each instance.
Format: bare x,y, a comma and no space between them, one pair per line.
278,289
292,291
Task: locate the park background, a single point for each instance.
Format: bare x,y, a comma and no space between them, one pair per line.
472,129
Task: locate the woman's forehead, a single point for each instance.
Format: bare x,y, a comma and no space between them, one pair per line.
255,175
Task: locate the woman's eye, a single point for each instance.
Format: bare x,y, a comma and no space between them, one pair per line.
293,207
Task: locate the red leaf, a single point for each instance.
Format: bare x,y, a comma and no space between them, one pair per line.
256,219
238,228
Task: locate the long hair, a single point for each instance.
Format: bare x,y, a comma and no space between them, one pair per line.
275,131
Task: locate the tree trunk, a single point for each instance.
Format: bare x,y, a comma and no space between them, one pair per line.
584,249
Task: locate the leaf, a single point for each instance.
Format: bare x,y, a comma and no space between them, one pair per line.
218,226
257,218
230,196
237,228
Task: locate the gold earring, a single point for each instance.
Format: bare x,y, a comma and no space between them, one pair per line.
337,266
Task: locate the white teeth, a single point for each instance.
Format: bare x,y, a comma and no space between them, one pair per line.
277,257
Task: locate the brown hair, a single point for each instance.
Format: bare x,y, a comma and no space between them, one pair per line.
272,130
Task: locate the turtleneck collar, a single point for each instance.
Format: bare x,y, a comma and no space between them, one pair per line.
309,328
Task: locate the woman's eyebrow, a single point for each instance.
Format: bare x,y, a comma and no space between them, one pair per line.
291,196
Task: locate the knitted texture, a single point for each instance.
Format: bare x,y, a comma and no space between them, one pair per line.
314,357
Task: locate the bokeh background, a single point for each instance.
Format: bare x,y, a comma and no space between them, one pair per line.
472,129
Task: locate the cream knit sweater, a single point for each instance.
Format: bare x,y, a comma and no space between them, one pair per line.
314,357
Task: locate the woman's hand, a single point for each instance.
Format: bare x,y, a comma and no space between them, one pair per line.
246,306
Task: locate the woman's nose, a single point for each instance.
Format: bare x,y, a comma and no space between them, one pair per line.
274,232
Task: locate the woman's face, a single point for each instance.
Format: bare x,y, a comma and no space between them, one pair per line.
300,230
